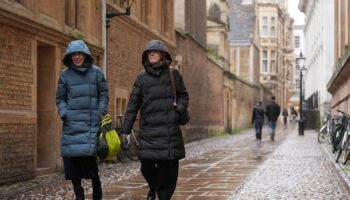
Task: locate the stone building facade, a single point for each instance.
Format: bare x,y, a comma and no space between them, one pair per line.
319,53
33,37
276,55
339,83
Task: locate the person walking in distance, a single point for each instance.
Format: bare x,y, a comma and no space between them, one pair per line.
294,115
82,94
258,119
273,110
160,138
285,116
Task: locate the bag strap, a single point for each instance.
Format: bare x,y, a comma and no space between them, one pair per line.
173,86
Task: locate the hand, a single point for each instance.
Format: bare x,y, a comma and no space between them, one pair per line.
125,140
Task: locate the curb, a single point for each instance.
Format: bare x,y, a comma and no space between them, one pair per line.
345,176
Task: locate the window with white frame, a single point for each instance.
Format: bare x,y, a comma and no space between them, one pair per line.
273,61
264,61
264,26
297,41
273,31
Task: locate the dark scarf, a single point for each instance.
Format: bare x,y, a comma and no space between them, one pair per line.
156,68
81,69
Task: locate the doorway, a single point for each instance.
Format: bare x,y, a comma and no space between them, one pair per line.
47,148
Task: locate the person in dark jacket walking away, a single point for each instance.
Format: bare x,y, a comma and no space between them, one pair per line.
285,116
258,119
160,138
82,94
273,110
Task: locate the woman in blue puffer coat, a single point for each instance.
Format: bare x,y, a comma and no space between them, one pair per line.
82,94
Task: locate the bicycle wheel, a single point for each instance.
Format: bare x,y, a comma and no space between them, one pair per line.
340,151
343,145
323,134
122,155
133,147
346,155
338,135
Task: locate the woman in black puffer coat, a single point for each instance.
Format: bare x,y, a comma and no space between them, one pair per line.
160,137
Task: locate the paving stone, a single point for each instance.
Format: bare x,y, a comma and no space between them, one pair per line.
298,169
231,167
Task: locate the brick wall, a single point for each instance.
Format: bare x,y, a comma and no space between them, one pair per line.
125,46
196,20
17,147
17,143
204,82
16,77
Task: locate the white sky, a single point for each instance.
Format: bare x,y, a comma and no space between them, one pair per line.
295,13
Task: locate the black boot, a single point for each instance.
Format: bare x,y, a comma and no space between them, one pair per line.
96,189
79,193
151,195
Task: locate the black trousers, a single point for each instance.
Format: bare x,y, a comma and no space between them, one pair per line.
161,176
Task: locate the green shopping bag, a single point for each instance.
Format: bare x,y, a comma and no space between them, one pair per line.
109,143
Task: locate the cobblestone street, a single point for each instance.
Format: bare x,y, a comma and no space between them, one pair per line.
228,167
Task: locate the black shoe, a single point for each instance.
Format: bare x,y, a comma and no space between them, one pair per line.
79,193
96,189
272,138
151,195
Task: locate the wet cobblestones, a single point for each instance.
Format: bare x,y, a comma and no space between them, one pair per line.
55,187
298,169
228,167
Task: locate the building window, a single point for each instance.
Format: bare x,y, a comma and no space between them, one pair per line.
25,3
264,26
71,13
273,31
120,106
273,54
297,41
264,61
273,21
273,66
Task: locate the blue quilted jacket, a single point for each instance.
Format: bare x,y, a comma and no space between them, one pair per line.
82,93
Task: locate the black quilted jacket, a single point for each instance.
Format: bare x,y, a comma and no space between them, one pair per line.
160,135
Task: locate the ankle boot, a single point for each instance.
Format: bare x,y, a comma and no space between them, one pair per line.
151,195
79,193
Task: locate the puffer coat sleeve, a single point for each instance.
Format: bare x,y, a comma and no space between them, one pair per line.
102,89
181,92
61,97
133,105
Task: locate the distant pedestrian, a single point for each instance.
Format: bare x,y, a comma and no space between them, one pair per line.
294,115
160,138
273,110
285,116
258,119
82,94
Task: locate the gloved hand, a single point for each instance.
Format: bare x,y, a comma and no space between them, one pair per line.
124,140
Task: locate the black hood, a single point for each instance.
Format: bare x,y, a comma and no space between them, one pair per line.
155,45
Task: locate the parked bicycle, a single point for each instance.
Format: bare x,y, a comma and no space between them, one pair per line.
343,147
326,131
129,142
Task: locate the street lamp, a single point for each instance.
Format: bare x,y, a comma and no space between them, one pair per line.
300,65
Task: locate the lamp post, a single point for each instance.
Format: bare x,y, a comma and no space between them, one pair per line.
300,64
